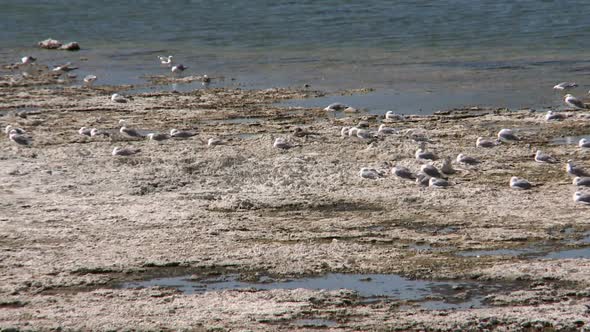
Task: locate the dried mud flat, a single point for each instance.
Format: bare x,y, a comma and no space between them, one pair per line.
76,222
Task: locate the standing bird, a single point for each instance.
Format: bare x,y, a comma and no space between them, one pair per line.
507,135
565,86
542,157
575,170
519,183
574,102
166,60
20,139
447,166
124,152
177,69
89,80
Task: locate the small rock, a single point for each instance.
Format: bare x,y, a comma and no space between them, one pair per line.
72,46
50,44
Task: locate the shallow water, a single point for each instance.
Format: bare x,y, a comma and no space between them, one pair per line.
429,294
501,53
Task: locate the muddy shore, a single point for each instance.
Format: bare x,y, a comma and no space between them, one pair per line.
78,223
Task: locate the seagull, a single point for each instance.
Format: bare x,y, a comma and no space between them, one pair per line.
431,171
541,157
485,143
393,116
130,132
519,183
352,131
507,135
281,143
213,141
178,69
403,172
463,159
565,86
64,68
550,116
129,151
89,80
575,170
574,102
581,198
166,60
386,130
438,183
365,135
335,107
447,166
96,132
85,131
422,179
10,128
344,132
422,154
181,133
369,173
158,137
117,98
19,139
581,181
27,60
584,143
350,110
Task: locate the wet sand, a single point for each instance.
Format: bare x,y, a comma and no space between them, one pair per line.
76,222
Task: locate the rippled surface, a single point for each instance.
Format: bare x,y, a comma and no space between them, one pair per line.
506,48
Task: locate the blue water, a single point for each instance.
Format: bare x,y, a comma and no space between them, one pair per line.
458,49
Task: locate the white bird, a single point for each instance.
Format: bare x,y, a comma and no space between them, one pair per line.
177,69
519,183
463,159
335,107
507,135
565,86
19,139
542,157
431,171
128,151
582,198
366,135
552,116
584,143
422,154
447,166
350,110
438,183
117,98
181,133
97,132
282,143
27,60
386,130
581,181
485,143
89,80
130,132
369,173
574,102
352,131
344,131
85,131
213,141
166,60
158,137
390,115
10,128
403,172
575,170
64,68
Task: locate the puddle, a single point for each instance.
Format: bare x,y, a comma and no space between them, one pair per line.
370,287
567,140
497,252
234,121
571,253
314,322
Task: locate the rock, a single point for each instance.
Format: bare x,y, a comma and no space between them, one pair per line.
49,44
72,46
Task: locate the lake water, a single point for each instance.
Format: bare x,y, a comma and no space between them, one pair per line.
447,53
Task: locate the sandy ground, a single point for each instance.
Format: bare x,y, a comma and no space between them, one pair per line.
77,222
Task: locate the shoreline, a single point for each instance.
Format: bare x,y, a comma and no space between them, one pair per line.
79,221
